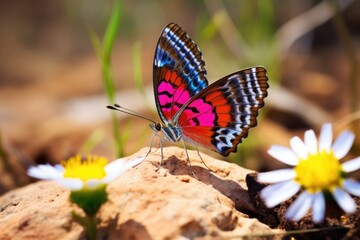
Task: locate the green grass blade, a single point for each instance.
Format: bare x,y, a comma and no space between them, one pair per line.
96,43
111,30
103,51
93,140
137,71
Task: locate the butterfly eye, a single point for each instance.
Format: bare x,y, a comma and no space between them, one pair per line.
158,126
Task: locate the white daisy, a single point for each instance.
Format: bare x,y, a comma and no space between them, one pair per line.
77,174
316,170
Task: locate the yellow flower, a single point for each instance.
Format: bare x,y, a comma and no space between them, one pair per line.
89,173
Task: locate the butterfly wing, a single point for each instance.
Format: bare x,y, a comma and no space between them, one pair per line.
179,71
220,116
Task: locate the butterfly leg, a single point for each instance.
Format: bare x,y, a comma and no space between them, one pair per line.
186,152
197,150
160,145
151,143
188,159
161,150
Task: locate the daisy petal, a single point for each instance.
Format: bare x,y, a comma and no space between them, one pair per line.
298,146
300,207
115,166
135,161
344,200
310,141
352,186
93,183
274,194
46,172
73,184
122,164
325,138
111,177
343,144
277,175
283,154
318,207
351,165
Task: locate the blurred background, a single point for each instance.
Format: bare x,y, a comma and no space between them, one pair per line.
53,100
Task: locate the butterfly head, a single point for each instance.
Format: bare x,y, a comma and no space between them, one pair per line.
171,132
156,127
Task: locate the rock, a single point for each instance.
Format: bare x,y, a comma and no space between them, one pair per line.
176,201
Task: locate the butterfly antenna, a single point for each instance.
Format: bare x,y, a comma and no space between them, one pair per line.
119,108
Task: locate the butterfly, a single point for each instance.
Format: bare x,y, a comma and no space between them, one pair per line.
216,116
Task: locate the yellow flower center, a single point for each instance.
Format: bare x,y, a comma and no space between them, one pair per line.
319,172
90,168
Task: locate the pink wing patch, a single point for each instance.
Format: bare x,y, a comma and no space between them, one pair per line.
198,113
196,123
172,94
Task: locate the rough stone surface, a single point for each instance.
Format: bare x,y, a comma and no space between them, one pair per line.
176,201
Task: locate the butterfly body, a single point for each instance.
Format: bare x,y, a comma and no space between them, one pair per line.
171,132
216,116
